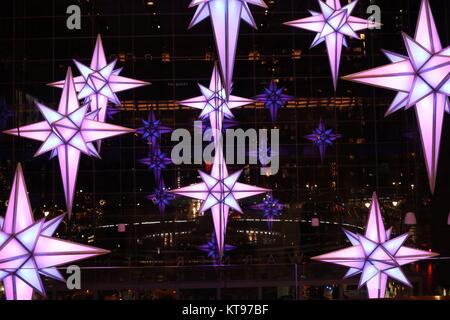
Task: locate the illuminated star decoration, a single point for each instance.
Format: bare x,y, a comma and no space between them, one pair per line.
219,192
332,25
214,103
274,99
100,82
225,18
323,138
152,129
68,132
271,209
211,248
375,255
421,79
5,113
156,162
161,197
28,249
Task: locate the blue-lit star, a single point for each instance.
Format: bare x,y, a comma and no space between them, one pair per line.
161,197
212,250
271,208
156,161
152,129
274,99
323,138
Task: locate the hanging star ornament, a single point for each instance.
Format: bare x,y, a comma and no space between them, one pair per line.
332,25
269,204
219,192
157,161
100,82
274,99
68,132
212,250
323,138
152,129
215,104
161,197
271,209
421,79
225,18
27,248
375,255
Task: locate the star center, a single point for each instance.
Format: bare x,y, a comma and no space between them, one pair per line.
96,81
65,129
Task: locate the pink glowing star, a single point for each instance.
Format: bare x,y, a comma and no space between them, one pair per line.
421,79
375,255
28,249
332,25
219,192
68,132
225,18
215,104
99,83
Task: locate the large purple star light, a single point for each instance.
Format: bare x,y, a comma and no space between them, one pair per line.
225,18
332,26
274,99
375,255
28,249
219,192
152,129
215,104
100,82
68,132
421,79
323,138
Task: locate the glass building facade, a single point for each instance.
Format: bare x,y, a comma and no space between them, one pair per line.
156,255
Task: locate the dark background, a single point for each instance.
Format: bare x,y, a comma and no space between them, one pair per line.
376,153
